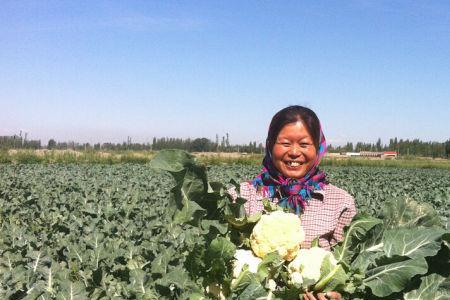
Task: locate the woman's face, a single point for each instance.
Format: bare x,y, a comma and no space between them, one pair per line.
293,153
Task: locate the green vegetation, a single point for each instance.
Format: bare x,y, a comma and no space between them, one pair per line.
80,231
403,162
225,159
74,157
414,147
143,157
4,157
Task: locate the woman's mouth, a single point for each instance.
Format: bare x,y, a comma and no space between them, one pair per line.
293,164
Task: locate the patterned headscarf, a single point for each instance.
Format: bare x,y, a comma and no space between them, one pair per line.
293,192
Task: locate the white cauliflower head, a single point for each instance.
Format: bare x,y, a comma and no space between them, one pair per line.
245,257
277,231
296,278
305,268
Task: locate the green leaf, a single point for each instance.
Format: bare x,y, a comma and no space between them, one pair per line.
177,278
172,160
218,257
38,260
159,264
244,279
222,248
140,284
190,211
236,216
355,233
333,277
71,290
242,224
236,185
270,266
365,259
393,277
315,242
433,287
195,261
270,206
288,293
221,228
192,184
254,291
405,212
412,242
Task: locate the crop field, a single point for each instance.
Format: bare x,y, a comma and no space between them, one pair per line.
106,231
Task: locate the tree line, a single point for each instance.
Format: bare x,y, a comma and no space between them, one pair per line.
19,142
205,145
406,147
191,145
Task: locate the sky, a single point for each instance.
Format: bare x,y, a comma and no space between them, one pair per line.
100,71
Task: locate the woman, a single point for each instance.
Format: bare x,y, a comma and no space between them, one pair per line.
290,177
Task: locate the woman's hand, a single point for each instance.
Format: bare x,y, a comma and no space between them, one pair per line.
323,296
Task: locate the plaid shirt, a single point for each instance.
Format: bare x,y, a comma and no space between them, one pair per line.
325,215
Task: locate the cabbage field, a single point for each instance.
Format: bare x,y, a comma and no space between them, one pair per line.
122,232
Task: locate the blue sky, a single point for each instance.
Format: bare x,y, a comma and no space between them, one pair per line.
98,71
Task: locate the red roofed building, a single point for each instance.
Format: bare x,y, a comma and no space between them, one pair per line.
389,154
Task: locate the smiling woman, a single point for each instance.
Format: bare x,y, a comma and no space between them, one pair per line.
291,178
294,152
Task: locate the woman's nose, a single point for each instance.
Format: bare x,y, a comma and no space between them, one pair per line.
295,151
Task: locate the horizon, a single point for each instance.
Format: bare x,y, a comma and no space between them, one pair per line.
80,143
103,71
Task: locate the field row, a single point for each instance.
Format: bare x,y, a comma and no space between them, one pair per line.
211,158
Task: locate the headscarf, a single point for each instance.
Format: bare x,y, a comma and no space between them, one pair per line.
293,193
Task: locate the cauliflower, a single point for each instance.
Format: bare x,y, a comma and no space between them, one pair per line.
277,231
272,285
244,257
305,268
296,278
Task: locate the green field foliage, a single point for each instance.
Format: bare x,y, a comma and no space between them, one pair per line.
212,159
96,231
75,157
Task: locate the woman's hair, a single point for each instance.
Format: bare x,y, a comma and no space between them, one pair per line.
293,114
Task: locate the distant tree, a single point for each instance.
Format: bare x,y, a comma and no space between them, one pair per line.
378,145
349,147
201,145
261,148
51,144
217,143
447,148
